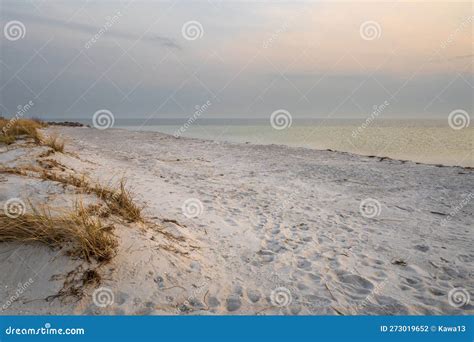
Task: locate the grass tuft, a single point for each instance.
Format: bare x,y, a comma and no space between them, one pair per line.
55,142
14,129
119,200
90,239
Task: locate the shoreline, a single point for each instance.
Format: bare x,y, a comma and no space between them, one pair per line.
233,228
381,158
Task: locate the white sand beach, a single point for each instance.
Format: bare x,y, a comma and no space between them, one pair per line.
235,228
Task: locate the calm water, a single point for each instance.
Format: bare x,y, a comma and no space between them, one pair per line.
423,141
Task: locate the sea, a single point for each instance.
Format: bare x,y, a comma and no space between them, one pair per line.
425,141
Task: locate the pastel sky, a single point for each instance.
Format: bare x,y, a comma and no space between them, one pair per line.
315,59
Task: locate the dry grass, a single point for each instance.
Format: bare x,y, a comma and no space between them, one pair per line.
119,199
7,139
70,179
22,171
11,130
89,238
53,141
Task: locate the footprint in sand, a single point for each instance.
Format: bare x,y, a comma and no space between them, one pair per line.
414,282
303,264
355,286
233,303
253,295
265,256
421,248
274,246
231,222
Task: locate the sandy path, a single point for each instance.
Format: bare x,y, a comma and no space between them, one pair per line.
287,221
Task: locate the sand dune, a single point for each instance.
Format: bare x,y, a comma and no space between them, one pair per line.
251,229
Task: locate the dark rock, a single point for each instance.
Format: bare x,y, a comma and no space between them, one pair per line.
66,123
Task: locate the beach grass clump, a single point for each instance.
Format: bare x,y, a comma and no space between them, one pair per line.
119,199
55,142
79,182
88,236
7,139
12,129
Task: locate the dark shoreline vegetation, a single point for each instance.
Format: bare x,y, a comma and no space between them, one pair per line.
66,123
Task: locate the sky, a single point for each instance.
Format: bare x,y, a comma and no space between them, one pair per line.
244,59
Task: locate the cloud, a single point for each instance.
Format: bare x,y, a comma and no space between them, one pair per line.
91,30
309,59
